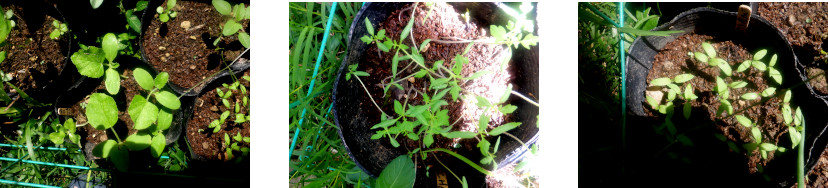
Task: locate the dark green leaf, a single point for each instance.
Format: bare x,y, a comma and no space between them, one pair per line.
157,145
399,173
459,134
687,109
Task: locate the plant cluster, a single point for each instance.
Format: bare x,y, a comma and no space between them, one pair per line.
64,131
90,61
240,116
60,29
235,14
6,26
234,145
165,14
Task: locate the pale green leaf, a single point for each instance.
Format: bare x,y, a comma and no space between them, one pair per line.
660,81
89,62
760,54
750,96
743,120
709,50
744,66
701,57
101,111
738,84
168,99
786,114
223,7
769,92
683,78
757,134
157,145
142,112
143,78
110,45
161,80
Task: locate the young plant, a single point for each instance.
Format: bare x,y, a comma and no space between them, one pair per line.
235,14
133,22
62,131
165,14
90,61
234,145
6,26
239,116
59,30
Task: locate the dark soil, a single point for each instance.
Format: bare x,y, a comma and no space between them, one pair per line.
806,26
673,60
443,24
32,58
208,107
184,46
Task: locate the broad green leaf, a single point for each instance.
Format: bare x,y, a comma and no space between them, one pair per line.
69,125
230,28
759,65
727,106
725,67
772,61
119,155
398,107
738,84
688,92
786,114
244,39
760,54
382,47
393,142
157,145
223,7
459,134
750,96
165,118
170,4
399,173
660,81
385,123
113,81
504,128
134,23
142,113
482,101
138,141
757,134
110,45
428,139
701,57
164,17
787,98
497,32
708,49
687,110
101,111
768,147
775,74
57,137
89,61
161,80
683,78
744,66
744,120
715,62
168,99
768,92
104,149
143,78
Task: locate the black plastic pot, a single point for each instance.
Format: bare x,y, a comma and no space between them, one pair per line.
760,34
235,66
349,114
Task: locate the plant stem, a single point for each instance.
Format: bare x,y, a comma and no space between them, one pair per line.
464,159
525,98
513,136
369,95
800,162
447,168
116,134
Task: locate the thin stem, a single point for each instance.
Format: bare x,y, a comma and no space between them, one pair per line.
464,159
447,168
369,94
513,136
461,41
411,32
116,134
525,98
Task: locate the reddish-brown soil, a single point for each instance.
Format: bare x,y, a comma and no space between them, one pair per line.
674,60
32,58
208,107
184,46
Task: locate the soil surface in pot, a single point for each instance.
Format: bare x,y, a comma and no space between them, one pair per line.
184,46
32,58
806,26
674,60
443,24
209,107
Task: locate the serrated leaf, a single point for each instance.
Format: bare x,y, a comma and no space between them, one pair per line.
428,139
660,81
168,99
459,134
683,78
508,109
760,54
701,57
750,96
744,121
504,128
157,145
738,84
744,66
138,141
57,137
393,142
708,49
101,111
377,136
768,92
498,32
407,30
482,101
89,62
143,78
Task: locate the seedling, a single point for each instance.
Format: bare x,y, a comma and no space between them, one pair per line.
235,14
234,145
62,131
236,106
6,25
59,30
165,14
90,61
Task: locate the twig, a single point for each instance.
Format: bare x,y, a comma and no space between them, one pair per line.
369,94
525,98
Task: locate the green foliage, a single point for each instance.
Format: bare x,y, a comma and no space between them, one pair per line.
59,30
235,14
90,61
166,13
101,112
225,93
399,173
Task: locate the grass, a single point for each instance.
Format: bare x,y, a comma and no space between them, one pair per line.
319,158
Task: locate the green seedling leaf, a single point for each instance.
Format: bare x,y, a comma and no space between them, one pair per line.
95,3
750,96
57,137
775,74
170,4
110,45
165,118
687,109
688,92
744,121
721,86
671,95
378,135
230,28
498,32
797,117
685,140
104,149
161,80
120,157
142,112
168,99
459,134
101,111
225,115
244,39
787,98
726,106
366,39
69,125
143,78
477,74
701,57
399,173
382,47
508,109
428,139
393,142
506,94
381,34
504,128
157,145
772,61
725,67
759,65
483,123
768,147
398,108
223,7
482,102
138,141
738,84
768,92
660,81
708,49
759,55
385,123
757,134
89,61
113,81
407,30
786,114
674,87
164,17
670,127
795,136
653,103
683,78
744,66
